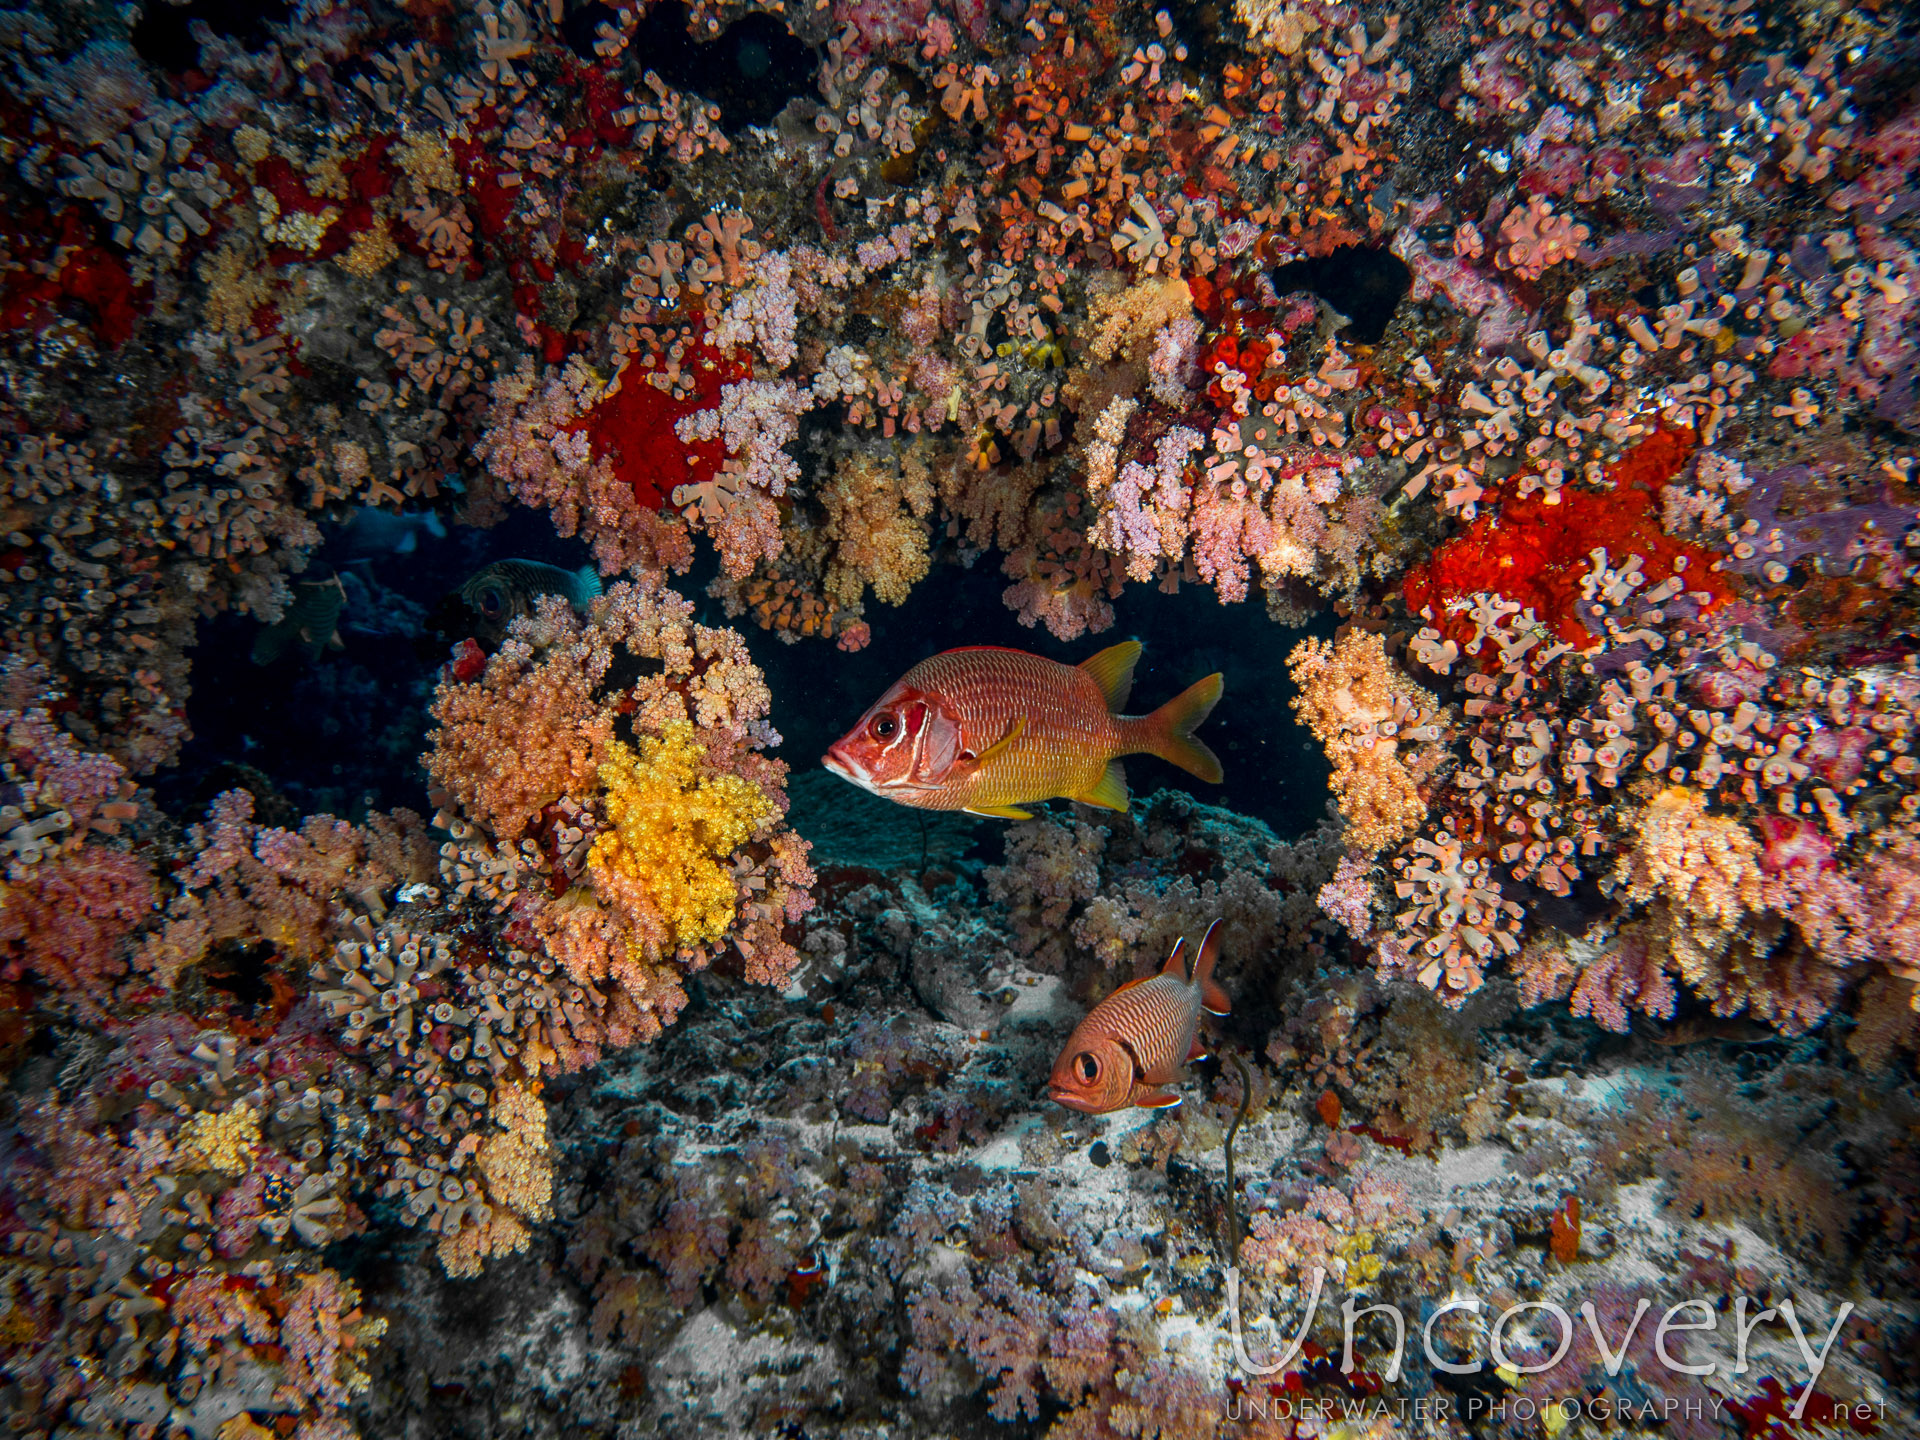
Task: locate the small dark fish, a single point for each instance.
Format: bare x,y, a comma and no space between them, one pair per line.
381,532
507,589
312,622
1731,1030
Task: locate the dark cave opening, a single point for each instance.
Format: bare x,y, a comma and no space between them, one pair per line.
751,70
1365,283
581,27
341,729
163,35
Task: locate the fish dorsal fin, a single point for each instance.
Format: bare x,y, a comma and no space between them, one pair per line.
1109,792
1001,812
1213,999
1112,671
1176,965
1126,985
1014,732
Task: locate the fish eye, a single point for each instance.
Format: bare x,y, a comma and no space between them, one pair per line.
883,727
1087,1066
490,602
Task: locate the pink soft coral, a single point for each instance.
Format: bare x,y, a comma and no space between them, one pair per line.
67,921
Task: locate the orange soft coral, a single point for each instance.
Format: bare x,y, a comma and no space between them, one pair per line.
633,863
1359,705
529,733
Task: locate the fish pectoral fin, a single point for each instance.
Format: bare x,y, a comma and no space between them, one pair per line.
1165,1074
1151,1097
1014,732
1109,792
1000,812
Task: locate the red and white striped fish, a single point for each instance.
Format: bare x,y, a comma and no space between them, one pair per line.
989,730
1135,1042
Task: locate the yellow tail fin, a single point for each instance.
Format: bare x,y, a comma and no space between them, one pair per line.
1168,731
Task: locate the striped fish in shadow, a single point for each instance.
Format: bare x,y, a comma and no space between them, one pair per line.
311,622
1136,1043
500,593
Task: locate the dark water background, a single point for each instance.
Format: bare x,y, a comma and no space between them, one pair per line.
343,733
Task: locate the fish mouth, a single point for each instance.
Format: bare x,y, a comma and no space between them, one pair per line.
846,771
1069,1099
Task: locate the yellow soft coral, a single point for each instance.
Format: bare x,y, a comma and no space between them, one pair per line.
1362,709
673,832
1121,325
515,1165
880,521
221,1141
1708,865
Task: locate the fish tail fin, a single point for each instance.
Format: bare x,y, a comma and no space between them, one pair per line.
1168,731
1213,999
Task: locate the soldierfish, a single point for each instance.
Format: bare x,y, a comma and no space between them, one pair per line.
987,730
1134,1043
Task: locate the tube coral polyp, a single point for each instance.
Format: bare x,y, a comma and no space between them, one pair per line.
1537,552
673,832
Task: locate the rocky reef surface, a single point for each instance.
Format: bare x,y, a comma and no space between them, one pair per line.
847,1210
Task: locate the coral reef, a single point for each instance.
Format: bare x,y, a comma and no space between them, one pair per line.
425,1014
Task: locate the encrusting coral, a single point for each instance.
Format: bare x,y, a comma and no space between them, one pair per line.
416,1067
1569,352
1716,797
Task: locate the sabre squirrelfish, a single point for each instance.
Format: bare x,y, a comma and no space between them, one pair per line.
1134,1043
987,730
